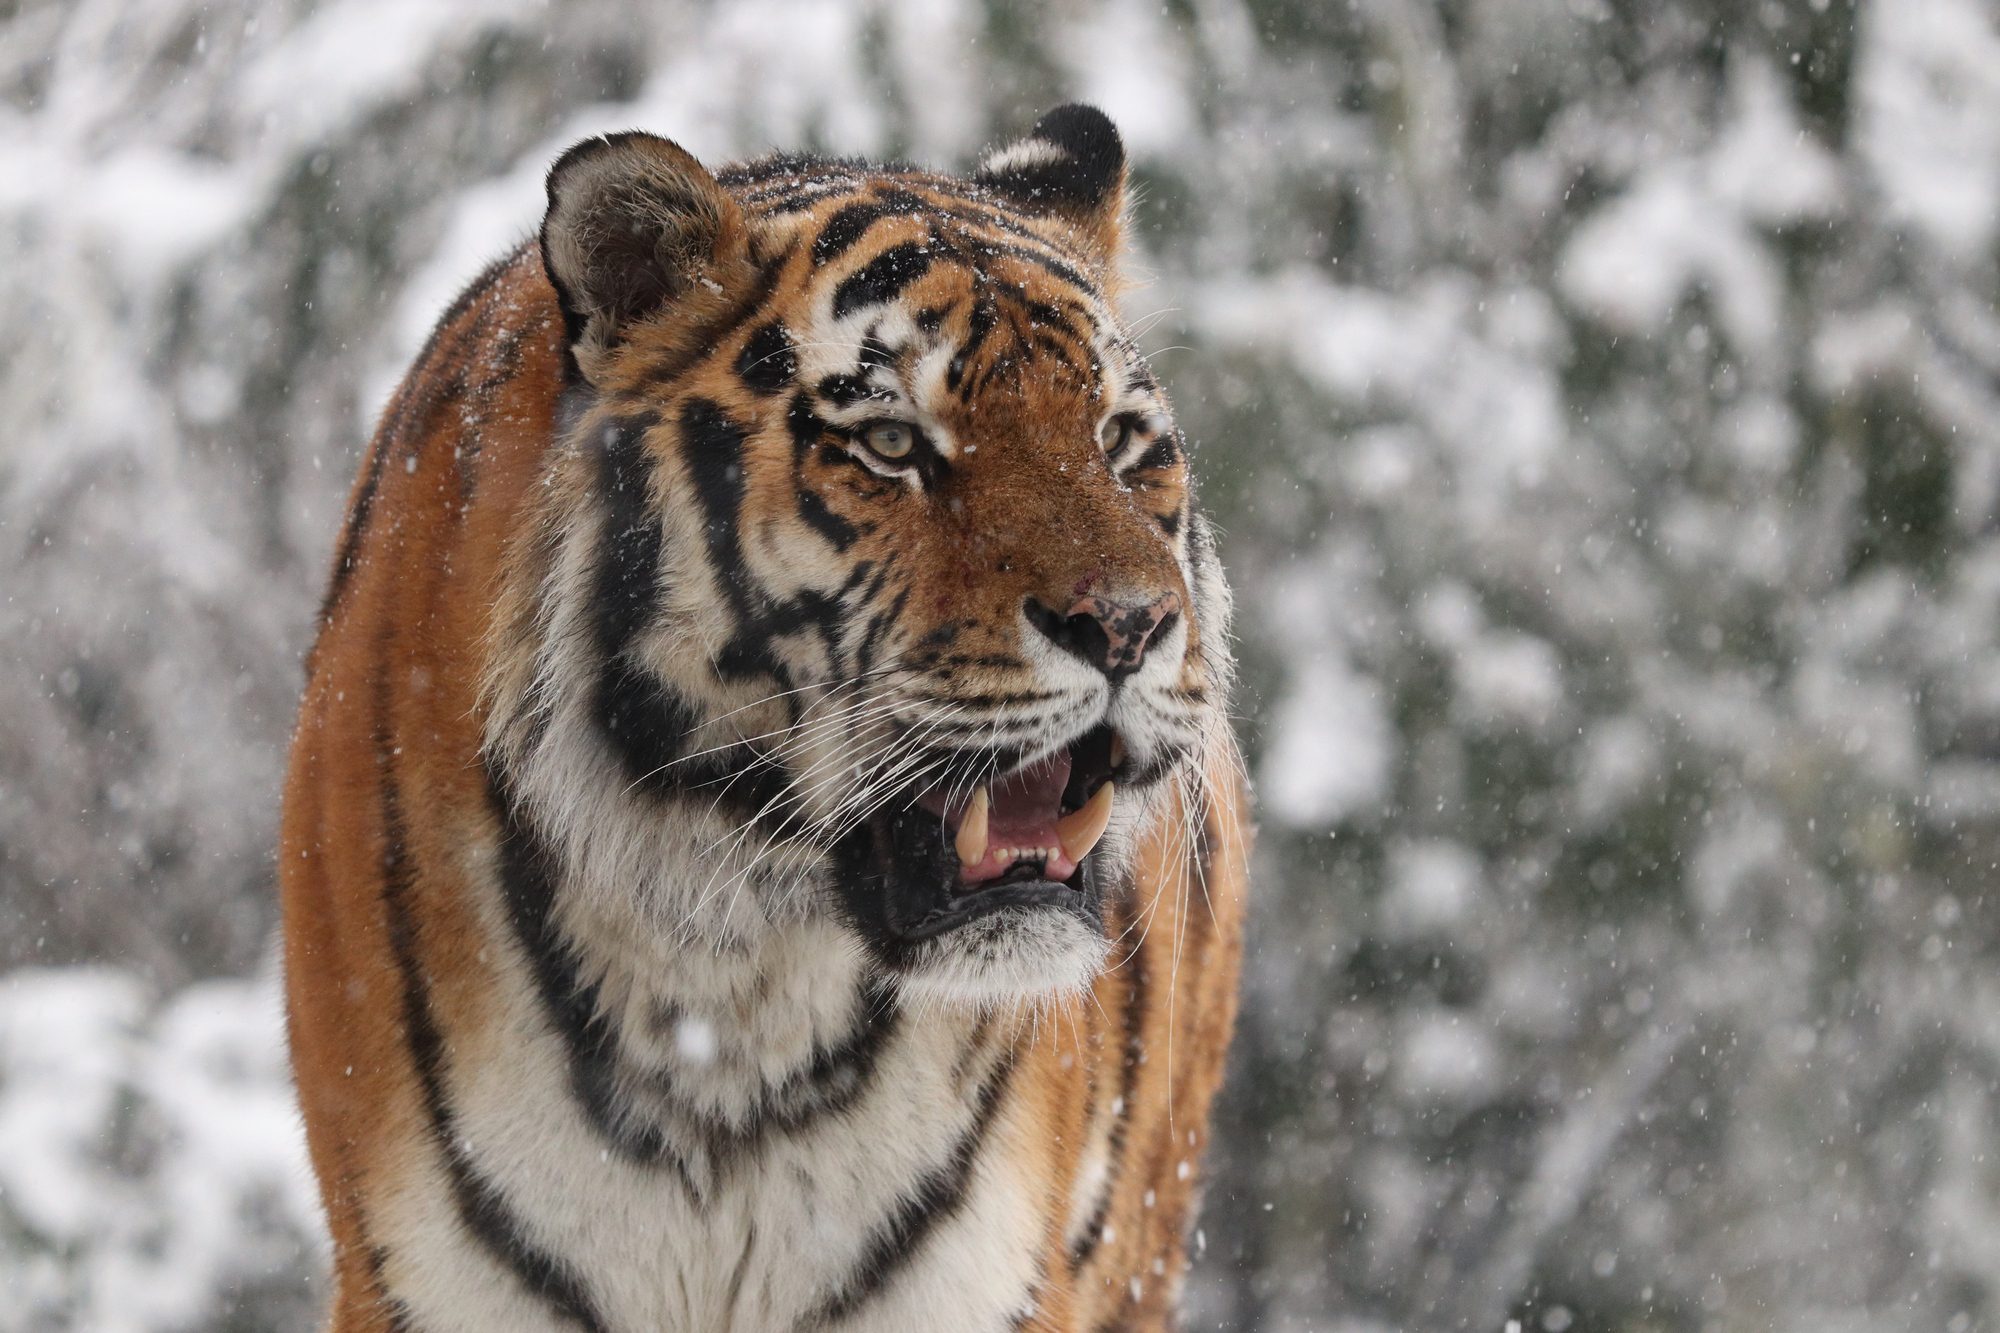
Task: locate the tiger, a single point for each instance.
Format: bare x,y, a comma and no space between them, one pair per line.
763,845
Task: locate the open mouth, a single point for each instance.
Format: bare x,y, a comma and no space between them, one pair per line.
952,855
1038,822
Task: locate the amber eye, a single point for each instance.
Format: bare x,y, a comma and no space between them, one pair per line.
893,440
1113,434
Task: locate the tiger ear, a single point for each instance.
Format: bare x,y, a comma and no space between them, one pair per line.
633,222
1070,166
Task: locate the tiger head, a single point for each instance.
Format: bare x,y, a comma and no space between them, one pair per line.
868,584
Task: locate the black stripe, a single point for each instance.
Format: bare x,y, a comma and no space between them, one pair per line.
644,719
802,183
712,453
802,198
376,1258
876,354
1068,355
807,431
807,169
881,278
844,228
1027,244
400,1318
834,1079
768,362
849,1067
395,417
1134,1015
842,391
749,652
393,428
837,1078
778,164
933,1201
901,202
1049,264
528,878
628,553
1064,319
1050,316
978,324
501,362
701,342
839,533
990,701
943,636
1161,453
481,1207
878,625
1023,248
1001,363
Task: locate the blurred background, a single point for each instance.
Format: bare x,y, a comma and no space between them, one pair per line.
1601,399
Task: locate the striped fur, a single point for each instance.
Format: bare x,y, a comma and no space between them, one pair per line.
600,1009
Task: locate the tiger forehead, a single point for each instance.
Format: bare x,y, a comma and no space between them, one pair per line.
916,288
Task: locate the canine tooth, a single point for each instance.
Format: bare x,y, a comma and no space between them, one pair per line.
1117,749
971,839
1080,831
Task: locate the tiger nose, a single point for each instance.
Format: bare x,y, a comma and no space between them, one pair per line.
1109,635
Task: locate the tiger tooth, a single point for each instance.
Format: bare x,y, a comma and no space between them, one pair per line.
971,840
1081,829
1117,749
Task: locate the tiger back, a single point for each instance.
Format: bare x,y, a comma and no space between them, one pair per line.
763,847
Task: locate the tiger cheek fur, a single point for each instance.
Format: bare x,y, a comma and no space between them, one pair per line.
763,848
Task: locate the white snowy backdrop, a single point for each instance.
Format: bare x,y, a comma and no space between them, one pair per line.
1602,402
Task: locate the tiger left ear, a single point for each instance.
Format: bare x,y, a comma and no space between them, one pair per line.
1070,166
634,222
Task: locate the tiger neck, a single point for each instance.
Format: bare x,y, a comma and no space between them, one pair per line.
688,1052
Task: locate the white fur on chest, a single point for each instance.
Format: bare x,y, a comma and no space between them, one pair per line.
767,1235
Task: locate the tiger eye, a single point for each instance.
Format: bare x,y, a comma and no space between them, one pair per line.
1113,433
891,439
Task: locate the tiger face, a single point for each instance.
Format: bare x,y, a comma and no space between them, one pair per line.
871,558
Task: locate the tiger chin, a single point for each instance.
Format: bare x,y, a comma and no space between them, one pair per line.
763,847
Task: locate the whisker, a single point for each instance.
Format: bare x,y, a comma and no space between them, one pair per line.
746,741
891,761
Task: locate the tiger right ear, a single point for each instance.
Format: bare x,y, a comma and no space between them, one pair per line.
1070,166
633,222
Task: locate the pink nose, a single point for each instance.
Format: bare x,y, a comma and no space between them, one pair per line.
1111,636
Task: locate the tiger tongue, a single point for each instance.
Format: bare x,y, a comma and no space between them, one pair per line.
1020,815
